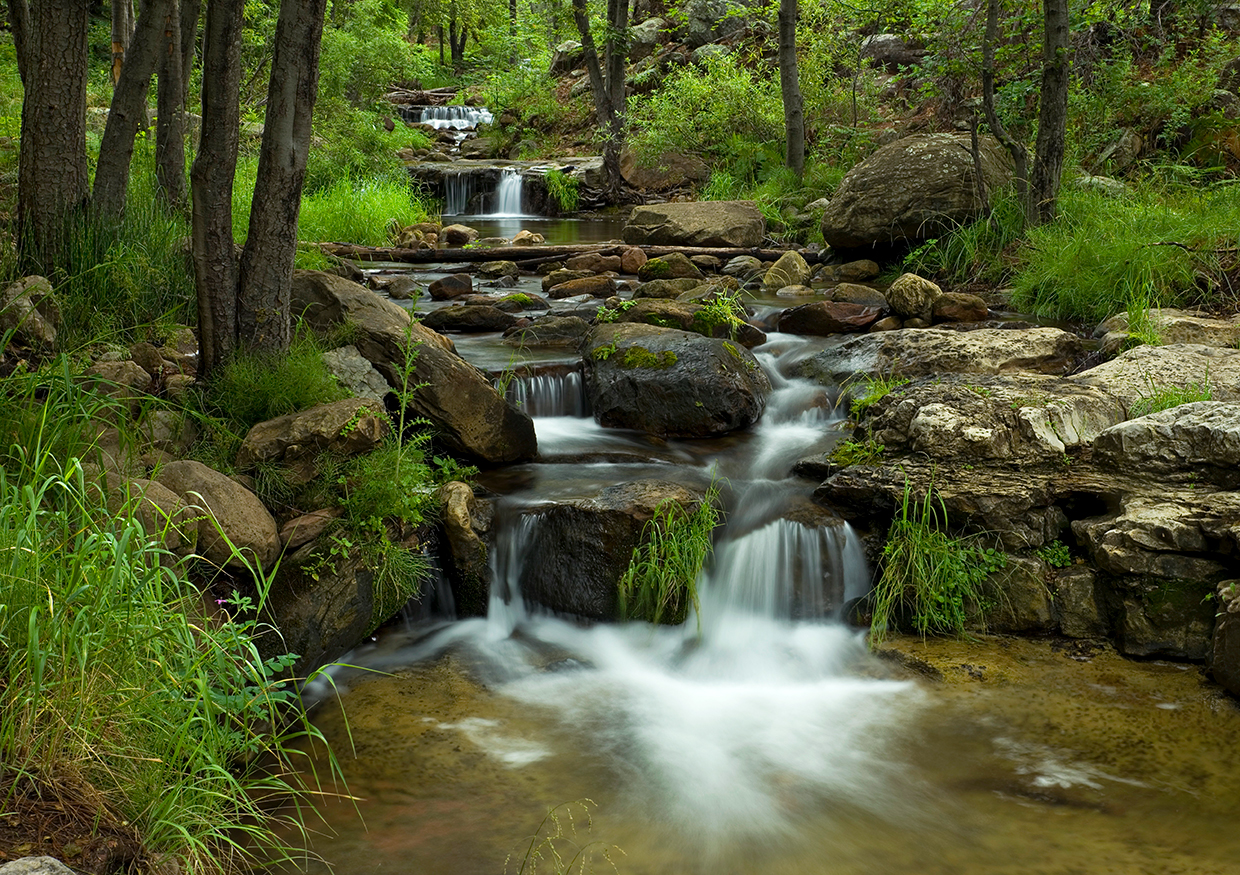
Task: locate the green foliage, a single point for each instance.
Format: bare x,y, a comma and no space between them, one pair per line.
850,452
1165,397
873,390
111,677
934,575
661,581
724,310
613,314
359,211
978,251
563,190
1165,246
1055,554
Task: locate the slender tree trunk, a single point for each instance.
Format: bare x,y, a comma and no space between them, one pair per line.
790,87
1020,156
609,99
170,113
52,170
128,111
190,12
266,276
19,24
1052,113
439,28
122,30
211,182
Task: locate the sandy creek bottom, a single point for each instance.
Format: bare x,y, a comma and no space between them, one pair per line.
1019,757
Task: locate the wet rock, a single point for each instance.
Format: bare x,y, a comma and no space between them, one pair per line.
517,302
453,286
496,269
348,427
465,521
1079,603
594,286
912,189
851,293
959,307
888,323
1167,618
934,351
795,292
702,223
594,263
469,319
851,272
563,275
913,297
744,266
458,235
669,289
356,373
549,331
403,288
1225,647
527,238
1201,439
790,270
672,383
632,259
668,267
825,318
234,527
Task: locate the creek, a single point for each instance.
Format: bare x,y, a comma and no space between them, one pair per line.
762,736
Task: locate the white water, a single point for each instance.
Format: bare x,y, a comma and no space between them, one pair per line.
457,118
508,195
550,394
460,189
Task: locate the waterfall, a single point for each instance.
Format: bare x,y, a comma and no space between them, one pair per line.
550,394
458,191
458,118
461,191
508,194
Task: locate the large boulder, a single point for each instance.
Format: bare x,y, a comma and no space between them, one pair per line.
790,270
348,427
568,56
731,224
470,417
463,551
579,549
673,266
931,351
644,38
669,170
356,373
472,318
29,310
912,189
1145,371
1172,327
672,383
891,52
825,318
1225,649
233,527
1201,439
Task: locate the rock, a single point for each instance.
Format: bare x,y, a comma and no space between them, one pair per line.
632,259
922,352
673,266
959,307
517,302
827,317
28,308
851,293
496,269
887,323
913,297
464,521
458,235
549,331
556,277
594,286
669,170
403,288
527,238
891,52
1224,660
568,56
912,189
356,373
469,319
579,549
479,148
348,428
1166,619
594,263
644,38
307,527
672,383
852,272
127,382
469,415
704,21
664,314
35,866
1102,185
666,288
789,270
453,286
234,527
705,223
1020,601
744,266
1079,603
1201,439
706,263
1144,371
162,512
795,292
1172,327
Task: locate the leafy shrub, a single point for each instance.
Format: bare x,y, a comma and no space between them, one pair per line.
1055,554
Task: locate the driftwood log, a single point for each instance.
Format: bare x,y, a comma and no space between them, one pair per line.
532,256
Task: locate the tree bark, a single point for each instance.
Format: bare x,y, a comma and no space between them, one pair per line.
1020,155
790,88
170,117
128,111
1052,113
266,277
19,24
52,170
608,93
211,183
122,30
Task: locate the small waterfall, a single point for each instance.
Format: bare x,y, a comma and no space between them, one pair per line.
458,191
457,118
508,194
550,394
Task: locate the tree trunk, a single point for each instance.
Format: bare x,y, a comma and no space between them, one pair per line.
1020,156
1052,113
19,24
265,283
790,87
190,12
211,182
53,176
608,93
122,30
170,117
439,28
128,111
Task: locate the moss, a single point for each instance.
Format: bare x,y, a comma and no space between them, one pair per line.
656,268
662,321
640,357
518,298
733,351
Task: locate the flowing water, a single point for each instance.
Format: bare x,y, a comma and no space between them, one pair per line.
762,736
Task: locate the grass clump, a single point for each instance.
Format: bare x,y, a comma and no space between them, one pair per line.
929,573
851,452
1165,397
563,190
873,390
353,210
660,583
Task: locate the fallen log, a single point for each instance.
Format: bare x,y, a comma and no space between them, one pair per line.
538,254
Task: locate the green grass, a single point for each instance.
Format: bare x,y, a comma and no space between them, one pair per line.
929,573
871,391
359,211
1165,397
848,453
660,583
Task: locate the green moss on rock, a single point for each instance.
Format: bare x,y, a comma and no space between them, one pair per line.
640,357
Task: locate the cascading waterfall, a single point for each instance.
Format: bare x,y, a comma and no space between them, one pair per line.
508,194
545,395
459,190
457,118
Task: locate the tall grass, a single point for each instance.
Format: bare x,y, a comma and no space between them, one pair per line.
116,677
359,211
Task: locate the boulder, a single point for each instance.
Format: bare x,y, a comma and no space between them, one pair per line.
403,288
644,38
1144,371
568,56
675,265
632,259
594,263
1172,327
891,52
922,352
563,275
496,269
663,313
470,417
704,223
303,529
827,317
356,373
851,272
579,549
527,238
29,310
666,288
912,189
1019,600
549,331
162,512
594,286
959,307
348,428
913,297
470,319
233,528
672,383
1225,650
1199,440
795,292
790,270
465,521
851,293
669,170
744,266
458,235
453,286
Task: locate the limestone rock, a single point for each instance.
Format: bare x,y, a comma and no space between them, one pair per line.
356,373
1199,439
825,318
959,307
669,267
347,427
28,308
789,270
1225,649
453,286
851,293
911,296
1172,327
704,223
228,514
1141,372
464,521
